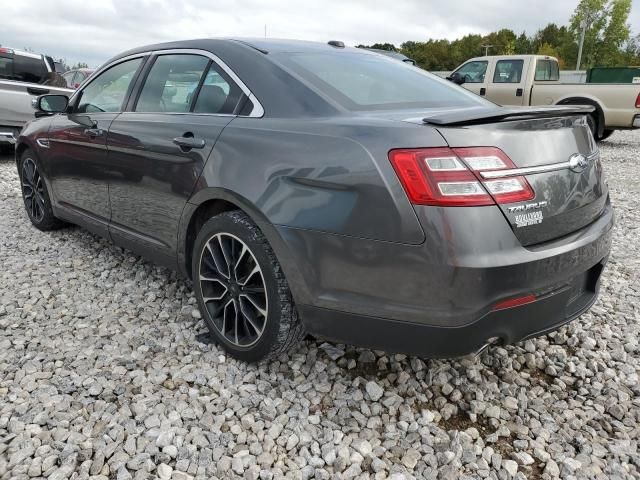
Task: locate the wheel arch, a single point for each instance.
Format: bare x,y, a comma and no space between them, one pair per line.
20,147
213,201
582,100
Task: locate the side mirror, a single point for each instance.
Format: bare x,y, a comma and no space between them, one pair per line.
52,103
456,78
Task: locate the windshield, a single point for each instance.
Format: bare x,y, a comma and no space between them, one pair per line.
360,81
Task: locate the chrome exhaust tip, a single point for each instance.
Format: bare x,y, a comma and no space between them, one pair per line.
491,341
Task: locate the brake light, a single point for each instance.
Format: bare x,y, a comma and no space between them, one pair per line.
6,50
451,177
638,101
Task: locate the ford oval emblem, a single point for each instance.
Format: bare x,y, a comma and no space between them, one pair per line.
577,162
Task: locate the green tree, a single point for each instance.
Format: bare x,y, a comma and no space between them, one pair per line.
606,30
523,45
551,51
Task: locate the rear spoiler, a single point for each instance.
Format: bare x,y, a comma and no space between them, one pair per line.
459,118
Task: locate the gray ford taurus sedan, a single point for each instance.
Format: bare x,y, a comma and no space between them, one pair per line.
307,187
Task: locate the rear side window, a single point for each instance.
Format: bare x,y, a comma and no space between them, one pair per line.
107,91
547,71
217,93
508,71
22,68
29,69
171,83
473,72
184,83
362,81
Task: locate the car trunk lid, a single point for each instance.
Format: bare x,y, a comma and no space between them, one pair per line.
552,148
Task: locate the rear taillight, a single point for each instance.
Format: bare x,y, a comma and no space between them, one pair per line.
451,177
638,101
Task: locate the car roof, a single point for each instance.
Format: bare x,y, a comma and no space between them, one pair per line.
23,53
263,45
511,57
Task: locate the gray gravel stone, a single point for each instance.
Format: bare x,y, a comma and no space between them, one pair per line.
101,376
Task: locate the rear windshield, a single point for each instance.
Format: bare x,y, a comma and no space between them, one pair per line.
361,81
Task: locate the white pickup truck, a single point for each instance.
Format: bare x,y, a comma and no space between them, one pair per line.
23,77
535,80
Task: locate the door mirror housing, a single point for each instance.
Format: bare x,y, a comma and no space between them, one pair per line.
52,103
456,78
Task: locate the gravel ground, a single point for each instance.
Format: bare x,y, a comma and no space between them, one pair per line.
101,376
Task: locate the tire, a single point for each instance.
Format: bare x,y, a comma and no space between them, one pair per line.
35,196
592,122
241,290
606,134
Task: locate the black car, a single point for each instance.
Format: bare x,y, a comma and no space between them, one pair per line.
309,187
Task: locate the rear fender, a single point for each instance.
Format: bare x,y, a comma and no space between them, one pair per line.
281,249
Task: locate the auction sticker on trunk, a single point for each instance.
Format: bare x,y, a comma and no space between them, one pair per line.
529,218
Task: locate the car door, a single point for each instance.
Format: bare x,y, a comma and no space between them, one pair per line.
508,82
77,160
475,76
158,149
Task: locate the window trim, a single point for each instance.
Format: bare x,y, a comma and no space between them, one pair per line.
512,60
142,80
136,84
256,112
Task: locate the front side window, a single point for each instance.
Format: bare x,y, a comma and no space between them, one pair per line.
547,71
107,91
473,72
508,71
363,81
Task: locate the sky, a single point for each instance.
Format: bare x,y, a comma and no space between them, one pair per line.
92,32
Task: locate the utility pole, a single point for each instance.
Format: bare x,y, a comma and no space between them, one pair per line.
265,30
584,25
486,49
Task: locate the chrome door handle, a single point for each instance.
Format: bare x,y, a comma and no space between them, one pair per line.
187,143
94,132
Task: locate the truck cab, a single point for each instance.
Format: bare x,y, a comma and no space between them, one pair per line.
506,80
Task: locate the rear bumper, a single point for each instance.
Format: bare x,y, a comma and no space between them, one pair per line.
505,326
437,299
636,121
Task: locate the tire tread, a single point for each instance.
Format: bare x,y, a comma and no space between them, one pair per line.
291,330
